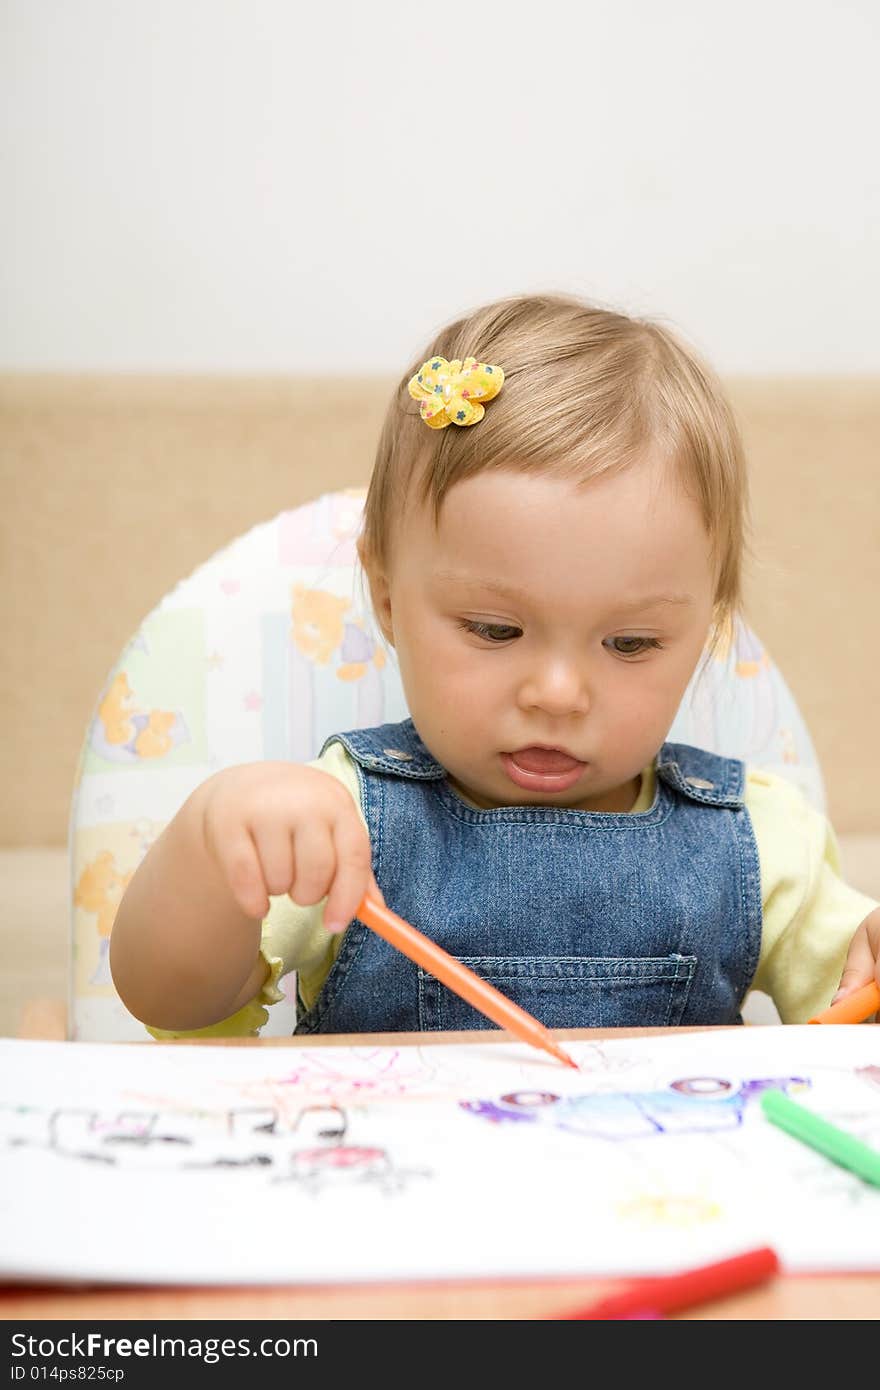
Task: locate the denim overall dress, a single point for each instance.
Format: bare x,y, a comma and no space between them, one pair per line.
585,919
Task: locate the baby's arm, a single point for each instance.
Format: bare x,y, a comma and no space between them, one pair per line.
810,911
863,959
185,946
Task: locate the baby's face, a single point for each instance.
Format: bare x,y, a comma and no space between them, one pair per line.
534,616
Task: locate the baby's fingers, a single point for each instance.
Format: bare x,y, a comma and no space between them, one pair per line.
274,846
245,875
860,962
314,863
354,874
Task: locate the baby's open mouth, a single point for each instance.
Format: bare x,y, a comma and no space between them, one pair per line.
543,770
544,760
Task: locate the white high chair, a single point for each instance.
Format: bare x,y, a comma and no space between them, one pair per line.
265,650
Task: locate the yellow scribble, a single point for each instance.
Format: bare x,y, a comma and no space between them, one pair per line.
679,1211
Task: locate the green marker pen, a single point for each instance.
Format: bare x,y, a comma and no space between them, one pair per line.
818,1134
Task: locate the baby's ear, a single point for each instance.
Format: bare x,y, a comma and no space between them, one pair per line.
380,594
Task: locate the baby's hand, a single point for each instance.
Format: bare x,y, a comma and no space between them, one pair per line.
284,828
863,958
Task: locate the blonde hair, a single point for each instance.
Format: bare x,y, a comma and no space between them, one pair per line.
585,390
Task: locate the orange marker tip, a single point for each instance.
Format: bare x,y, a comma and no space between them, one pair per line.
560,1054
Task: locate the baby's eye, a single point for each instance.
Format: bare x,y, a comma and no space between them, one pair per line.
628,649
492,632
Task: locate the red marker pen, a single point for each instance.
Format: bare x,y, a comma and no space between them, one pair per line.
671,1292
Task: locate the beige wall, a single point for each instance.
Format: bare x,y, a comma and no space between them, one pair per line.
113,488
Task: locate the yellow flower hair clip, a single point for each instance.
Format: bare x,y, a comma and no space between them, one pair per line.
454,393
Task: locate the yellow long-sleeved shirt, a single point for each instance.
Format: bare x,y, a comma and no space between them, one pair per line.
809,913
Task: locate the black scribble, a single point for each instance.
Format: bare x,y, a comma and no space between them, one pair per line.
311,1149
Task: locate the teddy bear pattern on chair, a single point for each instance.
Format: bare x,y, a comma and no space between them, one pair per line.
261,653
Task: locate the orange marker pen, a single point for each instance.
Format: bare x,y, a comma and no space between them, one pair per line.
852,1008
484,997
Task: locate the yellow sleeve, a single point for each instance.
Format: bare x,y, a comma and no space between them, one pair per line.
293,937
810,913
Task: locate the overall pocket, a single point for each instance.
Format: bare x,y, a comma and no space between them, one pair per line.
568,991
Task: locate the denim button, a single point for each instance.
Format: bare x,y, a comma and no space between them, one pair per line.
700,782
397,753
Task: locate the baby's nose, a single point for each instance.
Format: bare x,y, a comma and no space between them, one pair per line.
558,686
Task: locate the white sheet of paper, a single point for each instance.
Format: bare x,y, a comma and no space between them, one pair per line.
158,1164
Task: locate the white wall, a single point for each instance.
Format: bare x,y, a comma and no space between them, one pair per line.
258,185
